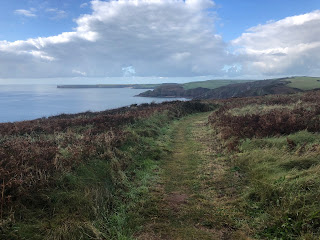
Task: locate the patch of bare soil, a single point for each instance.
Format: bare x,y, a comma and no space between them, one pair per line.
176,199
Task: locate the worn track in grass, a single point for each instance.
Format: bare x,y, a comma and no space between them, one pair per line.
181,206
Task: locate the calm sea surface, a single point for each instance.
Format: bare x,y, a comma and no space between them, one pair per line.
26,102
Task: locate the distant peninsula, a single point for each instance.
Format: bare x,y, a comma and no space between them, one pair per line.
218,89
133,86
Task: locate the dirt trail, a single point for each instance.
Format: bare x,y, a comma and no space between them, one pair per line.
180,207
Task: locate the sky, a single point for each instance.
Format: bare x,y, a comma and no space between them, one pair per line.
153,39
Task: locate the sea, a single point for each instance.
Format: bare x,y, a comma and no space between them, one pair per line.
27,102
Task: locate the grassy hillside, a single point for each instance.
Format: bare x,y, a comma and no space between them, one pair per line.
222,89
77,176
271,154
304,83
211,84
251,173
245,168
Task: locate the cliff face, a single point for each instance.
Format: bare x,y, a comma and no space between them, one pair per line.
247,89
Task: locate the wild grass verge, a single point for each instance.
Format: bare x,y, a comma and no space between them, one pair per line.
89,185
270,182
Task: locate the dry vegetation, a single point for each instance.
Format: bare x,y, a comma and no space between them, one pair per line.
271,157
255,174
65,172
267,116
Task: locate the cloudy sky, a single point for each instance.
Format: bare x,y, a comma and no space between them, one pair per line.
159,38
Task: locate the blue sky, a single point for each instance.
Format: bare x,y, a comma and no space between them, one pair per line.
234,16
15,26
238,15
159,38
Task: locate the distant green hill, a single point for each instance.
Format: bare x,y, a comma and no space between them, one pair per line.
212,84
304,83
218,89
222,89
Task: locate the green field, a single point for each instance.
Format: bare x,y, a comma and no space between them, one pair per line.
304,83
212,84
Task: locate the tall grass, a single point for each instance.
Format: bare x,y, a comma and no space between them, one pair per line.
272,151
281,193
84,176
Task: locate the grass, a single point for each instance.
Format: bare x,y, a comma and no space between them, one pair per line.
269,189
267,183
173,176
281,194
78,176
211,84
98,199
304,83
182,205
257,108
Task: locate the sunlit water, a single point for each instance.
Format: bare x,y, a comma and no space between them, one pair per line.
26,102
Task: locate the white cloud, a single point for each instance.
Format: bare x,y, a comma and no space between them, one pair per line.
165,38
155,37
200,4
79,72
290,46
56,14
25,13
128,71
83,5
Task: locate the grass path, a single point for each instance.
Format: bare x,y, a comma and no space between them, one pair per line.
182,204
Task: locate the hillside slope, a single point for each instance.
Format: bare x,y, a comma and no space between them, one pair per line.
75,176
304,83
174,90
211,84
249,89
251,173
245,168
242,89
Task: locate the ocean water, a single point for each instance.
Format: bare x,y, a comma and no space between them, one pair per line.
27,102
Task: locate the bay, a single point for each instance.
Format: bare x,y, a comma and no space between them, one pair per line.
27,102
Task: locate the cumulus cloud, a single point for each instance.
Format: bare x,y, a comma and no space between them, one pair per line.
25,12
290,46
165,38
155,37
